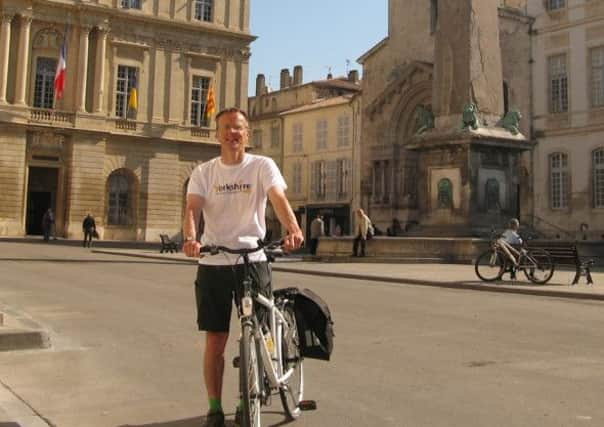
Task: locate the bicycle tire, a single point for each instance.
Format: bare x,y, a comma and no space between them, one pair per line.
291,393
490,265
249,378
545,264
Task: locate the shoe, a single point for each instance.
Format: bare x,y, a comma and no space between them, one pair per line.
239,416
214,419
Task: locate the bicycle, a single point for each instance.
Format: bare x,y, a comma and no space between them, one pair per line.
536,264
269,354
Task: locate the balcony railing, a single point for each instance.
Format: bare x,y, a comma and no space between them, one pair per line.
52,117
124,124
200,132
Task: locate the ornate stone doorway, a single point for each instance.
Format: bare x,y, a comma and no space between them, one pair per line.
41,194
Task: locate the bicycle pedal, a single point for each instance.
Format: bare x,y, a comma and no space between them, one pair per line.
307,405
236,362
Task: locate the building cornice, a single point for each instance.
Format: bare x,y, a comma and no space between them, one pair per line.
103,12
583,130
567,25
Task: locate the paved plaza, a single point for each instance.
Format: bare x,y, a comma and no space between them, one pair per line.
410,349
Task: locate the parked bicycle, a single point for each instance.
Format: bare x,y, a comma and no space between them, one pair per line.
536,264
269,359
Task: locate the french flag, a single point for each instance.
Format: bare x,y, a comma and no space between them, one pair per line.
61,69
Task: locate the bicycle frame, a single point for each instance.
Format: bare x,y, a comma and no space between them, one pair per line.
277,329
516,256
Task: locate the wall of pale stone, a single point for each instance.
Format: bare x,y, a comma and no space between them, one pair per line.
13,148
409,39
161,171
85,182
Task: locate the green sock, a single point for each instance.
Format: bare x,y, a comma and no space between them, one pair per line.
215,404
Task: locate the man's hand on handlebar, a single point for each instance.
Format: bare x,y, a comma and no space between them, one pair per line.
293,241
191,248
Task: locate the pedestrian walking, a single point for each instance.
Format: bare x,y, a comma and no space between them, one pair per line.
48,222
89,228
317,230
231,190
364,231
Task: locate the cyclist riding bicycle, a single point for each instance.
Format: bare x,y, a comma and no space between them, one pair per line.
231,191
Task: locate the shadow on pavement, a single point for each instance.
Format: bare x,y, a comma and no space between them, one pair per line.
10,424
191,422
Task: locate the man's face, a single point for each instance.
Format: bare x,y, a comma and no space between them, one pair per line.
233,132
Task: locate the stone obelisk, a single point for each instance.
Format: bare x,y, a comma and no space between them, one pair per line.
468,156
467,67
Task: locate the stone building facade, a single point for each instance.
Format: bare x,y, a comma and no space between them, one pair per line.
95,150
398,85
568,95
311,131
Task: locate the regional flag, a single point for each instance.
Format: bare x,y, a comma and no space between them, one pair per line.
61,70
211,102
133,95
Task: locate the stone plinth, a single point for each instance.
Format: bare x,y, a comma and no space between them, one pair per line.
481,167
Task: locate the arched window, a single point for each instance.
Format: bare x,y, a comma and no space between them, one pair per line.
598,177
120,188
492,194
445,194
558,166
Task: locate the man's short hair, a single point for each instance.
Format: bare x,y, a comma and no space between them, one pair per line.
514,222
232,110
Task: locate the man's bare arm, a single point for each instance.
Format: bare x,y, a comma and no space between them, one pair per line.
283,209
190,223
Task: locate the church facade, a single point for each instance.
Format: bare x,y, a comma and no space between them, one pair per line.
132,122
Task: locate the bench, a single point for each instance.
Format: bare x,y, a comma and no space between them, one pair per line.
565,253
167,244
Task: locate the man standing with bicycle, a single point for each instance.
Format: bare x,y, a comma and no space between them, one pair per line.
231,191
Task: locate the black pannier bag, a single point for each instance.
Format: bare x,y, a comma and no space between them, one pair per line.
313,318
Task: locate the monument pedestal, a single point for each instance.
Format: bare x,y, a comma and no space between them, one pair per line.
468,180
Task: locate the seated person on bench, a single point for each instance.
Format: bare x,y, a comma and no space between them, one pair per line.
512,237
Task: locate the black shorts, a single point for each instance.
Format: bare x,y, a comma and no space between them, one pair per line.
217,285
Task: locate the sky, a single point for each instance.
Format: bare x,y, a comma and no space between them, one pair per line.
317,34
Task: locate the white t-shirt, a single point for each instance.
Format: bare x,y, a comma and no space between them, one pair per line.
234,204
512,237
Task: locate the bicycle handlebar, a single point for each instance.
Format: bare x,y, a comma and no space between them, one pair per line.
272,248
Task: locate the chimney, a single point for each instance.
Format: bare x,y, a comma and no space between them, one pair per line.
298,75
260,85
285,79
353,76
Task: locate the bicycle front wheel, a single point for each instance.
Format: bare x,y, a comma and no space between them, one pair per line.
249,378
539,266
291,392
490,265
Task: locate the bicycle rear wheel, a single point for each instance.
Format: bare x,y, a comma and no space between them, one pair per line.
291,392
249,378
490,265
539,266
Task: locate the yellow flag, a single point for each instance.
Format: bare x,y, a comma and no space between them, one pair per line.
133,98
211,102
133,101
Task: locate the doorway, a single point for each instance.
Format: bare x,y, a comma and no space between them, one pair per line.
41,194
